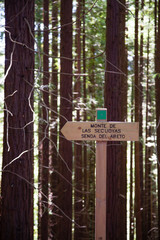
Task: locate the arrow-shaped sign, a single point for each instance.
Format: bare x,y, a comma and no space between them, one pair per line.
101,131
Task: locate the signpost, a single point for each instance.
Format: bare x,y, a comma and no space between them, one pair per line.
101,131
101,180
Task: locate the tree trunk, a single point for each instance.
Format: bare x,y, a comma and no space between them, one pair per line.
157,88
85,157
45,113
115,81
148,150
138,213
141,157
38,65
131,232
54,117
64,227
17,174
78,232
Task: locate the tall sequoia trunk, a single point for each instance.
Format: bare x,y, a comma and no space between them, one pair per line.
54,116
85,157
138,213
91,155
17,174
131,231
141,157
64,227
148,152
78,233
115,87
157,88
45,114
38,61
148,149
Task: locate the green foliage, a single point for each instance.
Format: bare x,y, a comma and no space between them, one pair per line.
156,75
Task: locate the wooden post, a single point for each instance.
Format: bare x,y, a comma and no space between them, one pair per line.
101,171
101,131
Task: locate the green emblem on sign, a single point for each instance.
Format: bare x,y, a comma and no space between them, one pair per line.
101,114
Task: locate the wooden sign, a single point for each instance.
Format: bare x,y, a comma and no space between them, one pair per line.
101,131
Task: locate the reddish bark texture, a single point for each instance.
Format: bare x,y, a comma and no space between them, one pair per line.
54,115
138,202
45,113
17,176
115,100
64,222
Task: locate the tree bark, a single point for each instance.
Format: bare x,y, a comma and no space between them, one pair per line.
115,90
148,150
38,62
138,213
141,73
78,232
131,232
45,126
54,118
157,88
85,156
64,227
17,173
